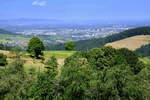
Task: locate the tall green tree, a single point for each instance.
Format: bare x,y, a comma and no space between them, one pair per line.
75,80
70,46
35,47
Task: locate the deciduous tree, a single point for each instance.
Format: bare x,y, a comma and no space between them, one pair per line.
35,47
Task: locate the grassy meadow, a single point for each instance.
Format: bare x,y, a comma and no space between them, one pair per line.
146,60
37,64
58,54
132,43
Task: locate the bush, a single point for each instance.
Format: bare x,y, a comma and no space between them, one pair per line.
16,51
15,82
101,58
3,60
132,59
52,62
16,66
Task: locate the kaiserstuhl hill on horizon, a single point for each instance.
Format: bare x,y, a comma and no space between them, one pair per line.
74,50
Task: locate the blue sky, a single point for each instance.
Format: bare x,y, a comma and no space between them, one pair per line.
76,9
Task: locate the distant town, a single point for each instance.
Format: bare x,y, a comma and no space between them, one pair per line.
61,32
76,33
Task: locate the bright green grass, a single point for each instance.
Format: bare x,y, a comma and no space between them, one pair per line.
146,60
58,54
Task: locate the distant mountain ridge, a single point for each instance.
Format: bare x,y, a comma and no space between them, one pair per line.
26,21
2,31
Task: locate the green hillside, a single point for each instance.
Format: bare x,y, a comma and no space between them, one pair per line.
98,42
93,43
144,50
5,32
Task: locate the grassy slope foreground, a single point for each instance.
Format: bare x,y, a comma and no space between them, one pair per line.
101,74
37,64
131,43
145,60
58,54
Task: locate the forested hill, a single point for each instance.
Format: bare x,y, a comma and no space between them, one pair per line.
144,50
93,43
2,31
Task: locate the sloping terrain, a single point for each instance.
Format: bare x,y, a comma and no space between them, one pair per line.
5,32
99,42
94,43
144,50
131,43
38,64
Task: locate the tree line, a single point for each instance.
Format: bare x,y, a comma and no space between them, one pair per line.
144,50
98,74
99,42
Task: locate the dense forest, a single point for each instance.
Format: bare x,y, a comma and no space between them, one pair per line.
144,50
98,74
95,43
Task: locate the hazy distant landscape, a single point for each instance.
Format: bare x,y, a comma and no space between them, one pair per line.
56,31
74,50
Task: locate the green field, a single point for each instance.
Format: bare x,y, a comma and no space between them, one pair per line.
58,54
13,37
146,60
36,64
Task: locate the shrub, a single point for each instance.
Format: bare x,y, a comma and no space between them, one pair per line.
16,66
3,60
15,82
16,51
52,62
132,59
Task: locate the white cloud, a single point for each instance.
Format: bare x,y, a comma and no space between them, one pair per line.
39,3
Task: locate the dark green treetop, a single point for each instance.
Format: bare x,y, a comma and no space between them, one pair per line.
35,47
70,46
